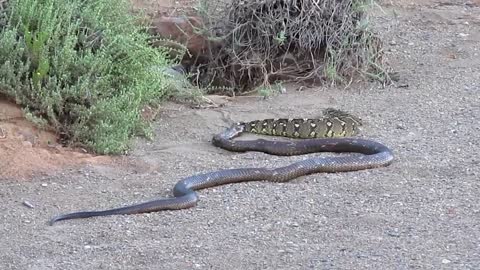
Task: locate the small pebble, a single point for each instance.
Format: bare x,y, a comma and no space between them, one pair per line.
28,204
44,185
446,261
27,144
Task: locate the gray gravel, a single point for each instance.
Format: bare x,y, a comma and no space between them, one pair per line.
422,212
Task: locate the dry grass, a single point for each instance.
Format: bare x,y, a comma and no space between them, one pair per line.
287,40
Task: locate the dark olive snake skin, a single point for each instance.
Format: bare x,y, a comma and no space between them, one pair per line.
334,124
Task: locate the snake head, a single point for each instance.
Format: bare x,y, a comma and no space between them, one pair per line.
343,115
232,132
235,130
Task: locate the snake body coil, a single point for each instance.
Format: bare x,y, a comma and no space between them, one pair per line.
334,124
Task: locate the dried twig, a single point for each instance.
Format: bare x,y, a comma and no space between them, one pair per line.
299,40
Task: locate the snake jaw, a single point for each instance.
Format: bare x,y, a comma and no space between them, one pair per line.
239,127
234,131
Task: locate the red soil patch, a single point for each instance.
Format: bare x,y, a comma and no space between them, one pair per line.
26,150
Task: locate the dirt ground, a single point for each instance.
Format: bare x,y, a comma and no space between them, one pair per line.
422,212
27,151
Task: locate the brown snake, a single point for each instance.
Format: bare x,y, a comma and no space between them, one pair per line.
374,155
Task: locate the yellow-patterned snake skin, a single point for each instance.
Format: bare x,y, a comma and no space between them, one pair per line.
333,123
318,135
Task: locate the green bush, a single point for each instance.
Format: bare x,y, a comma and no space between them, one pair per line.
83,66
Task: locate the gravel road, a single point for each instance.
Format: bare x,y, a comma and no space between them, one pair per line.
422,212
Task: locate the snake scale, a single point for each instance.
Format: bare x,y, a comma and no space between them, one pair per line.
318,135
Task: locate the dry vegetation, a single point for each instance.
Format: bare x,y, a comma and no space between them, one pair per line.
257,43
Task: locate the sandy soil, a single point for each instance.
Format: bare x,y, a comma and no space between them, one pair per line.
26,150
422,212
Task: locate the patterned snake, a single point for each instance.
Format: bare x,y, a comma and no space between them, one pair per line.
317,136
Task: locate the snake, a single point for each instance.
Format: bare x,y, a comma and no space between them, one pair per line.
332,132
